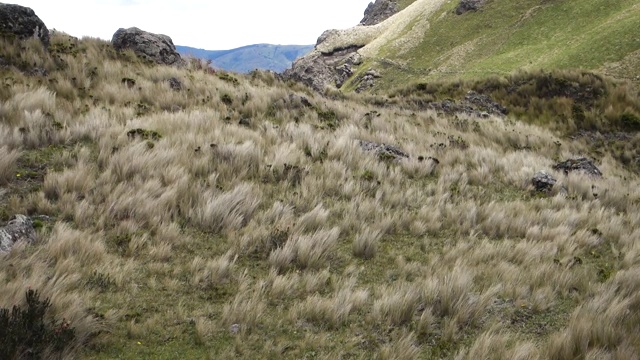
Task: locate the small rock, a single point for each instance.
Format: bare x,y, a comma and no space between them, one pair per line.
20,228
543,182
383,151
469,5
37,72
175,84
234,328
298,102
245,122
580,164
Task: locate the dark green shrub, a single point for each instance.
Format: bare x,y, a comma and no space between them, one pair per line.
226,99
630,121
144,134
329,118
25,334
228,78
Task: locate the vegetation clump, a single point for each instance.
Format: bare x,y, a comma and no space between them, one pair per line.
144,134
27,333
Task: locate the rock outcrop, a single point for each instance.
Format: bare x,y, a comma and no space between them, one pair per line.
20,228
154,47
367,80
321,69
379,11
476,104
22,22
578,164
335,58
469,5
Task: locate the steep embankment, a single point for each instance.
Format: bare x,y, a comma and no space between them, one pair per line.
428,39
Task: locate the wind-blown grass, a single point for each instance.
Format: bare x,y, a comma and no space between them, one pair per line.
201,236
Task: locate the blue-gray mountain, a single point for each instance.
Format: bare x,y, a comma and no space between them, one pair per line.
247,58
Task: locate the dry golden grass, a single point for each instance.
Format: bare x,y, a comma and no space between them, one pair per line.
282,238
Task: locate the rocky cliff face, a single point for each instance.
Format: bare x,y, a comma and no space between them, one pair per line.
334,60
320,69
379,11
22,22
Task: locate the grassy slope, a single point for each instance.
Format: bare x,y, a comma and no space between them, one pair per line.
156,248
509,35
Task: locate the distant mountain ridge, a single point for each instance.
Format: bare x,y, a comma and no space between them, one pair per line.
247,58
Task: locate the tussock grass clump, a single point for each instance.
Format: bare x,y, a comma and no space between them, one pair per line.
305,251
365,243
8,160
229,210
331,312
397,305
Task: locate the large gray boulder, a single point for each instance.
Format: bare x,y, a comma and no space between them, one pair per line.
155,47
379,11
22,22
20,228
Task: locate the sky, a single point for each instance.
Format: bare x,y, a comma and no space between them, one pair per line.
210,25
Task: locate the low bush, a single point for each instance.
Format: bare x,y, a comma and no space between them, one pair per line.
27,334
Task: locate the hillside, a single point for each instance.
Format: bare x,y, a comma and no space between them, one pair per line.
428,40
248,58
175,212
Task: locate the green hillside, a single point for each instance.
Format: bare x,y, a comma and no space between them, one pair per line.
504,36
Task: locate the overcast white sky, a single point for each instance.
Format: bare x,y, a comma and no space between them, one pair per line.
211,25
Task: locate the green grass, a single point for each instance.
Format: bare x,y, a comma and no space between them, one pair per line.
508,35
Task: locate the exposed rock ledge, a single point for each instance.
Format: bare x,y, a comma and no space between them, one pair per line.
339,54
333,60
335,56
